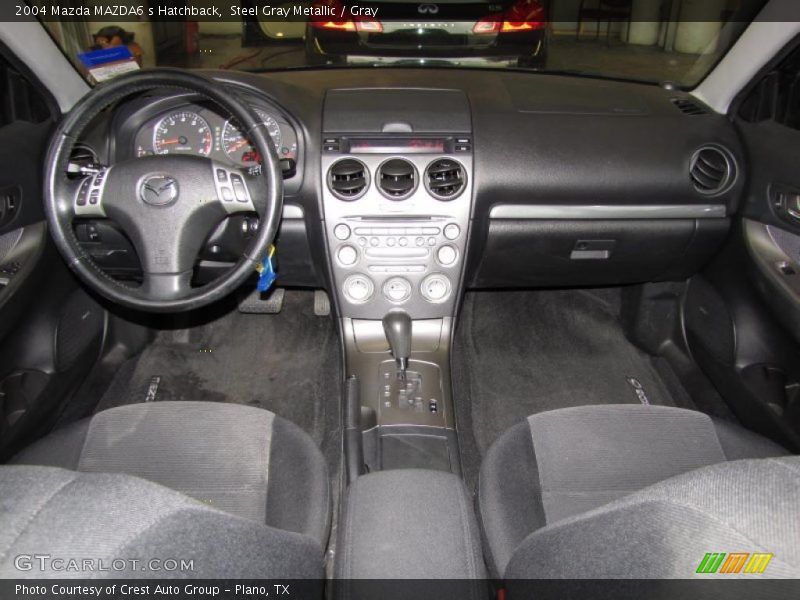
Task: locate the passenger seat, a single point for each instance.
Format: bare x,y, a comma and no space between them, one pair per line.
634,491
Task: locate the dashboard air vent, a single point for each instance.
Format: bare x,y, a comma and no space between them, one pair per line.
348,179
688,107
397,179
445,179
712,170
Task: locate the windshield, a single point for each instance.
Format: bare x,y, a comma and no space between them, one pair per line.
656,41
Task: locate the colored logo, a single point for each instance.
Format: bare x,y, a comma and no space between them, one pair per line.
734,562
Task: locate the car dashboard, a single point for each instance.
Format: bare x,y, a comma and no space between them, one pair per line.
563,180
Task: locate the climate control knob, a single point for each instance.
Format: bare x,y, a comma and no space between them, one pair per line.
358,288
435,288
397,290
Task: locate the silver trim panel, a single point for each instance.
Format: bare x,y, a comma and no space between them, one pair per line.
293,211
560,211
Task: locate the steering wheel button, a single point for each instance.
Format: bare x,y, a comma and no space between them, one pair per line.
227,195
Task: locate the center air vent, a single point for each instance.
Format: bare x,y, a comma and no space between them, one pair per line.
397,179
445,179
712,170
348,179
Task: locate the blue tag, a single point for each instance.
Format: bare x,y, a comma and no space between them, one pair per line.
266,272
96,58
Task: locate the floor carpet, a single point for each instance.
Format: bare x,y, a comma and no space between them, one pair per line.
521,353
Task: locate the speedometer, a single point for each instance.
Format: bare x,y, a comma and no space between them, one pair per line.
183,132
240,149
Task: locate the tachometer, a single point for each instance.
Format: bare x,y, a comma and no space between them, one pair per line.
238,148
183,133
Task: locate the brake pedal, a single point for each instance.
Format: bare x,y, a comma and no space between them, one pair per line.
322,304
269,303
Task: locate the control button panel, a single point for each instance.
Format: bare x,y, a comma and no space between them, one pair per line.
398,249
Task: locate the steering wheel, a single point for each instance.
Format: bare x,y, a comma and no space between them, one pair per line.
167,205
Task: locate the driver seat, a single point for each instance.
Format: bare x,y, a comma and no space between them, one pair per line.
237,489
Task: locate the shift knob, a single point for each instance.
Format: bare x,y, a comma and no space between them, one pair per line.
397,327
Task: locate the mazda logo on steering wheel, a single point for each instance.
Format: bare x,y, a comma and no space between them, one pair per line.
429,9
159,190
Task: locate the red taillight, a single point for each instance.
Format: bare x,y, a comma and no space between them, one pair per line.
521,25
365,25
339,25
486,26
369,26
524,15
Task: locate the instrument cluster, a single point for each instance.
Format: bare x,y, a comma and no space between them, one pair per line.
199,130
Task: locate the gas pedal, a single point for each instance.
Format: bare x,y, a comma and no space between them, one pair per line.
269,303
322,304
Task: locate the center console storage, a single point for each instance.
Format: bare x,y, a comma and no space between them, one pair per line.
397,200
409,524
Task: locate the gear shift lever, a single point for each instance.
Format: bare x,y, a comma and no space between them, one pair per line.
397,327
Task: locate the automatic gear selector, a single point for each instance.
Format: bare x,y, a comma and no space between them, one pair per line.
397,327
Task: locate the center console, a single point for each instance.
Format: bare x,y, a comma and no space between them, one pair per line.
397,172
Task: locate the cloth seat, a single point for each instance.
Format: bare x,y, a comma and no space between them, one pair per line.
569,470
236,471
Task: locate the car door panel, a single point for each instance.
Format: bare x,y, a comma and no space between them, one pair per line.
51,330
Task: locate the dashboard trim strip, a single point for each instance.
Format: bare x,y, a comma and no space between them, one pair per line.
559,211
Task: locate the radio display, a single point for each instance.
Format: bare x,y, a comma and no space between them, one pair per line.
397,146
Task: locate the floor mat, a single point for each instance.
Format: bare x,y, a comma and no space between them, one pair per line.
286,363
521,353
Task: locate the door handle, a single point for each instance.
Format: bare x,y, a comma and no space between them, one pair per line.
787,205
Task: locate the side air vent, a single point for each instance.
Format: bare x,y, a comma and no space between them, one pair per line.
445,179
712,170
397,179
348,179
689,107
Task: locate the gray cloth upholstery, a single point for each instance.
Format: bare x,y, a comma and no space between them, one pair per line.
68,515
240,459
566,462
409,524
664,531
